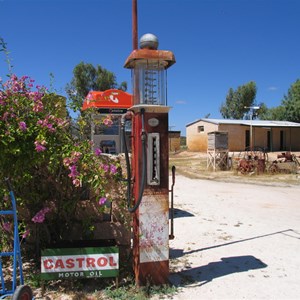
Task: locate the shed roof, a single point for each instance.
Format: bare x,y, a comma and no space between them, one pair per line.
257,123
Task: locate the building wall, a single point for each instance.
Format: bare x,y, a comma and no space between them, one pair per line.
260,137
281,138
288,140
236,136
295,139
174,141
196,140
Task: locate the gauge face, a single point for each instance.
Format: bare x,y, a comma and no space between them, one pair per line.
153,122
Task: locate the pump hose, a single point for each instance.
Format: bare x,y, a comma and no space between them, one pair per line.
128,179
144,152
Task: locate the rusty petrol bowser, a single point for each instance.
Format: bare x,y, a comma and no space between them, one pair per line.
148,176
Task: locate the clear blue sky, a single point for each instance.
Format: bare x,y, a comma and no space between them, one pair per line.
218,44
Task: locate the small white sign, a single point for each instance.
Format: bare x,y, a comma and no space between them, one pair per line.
153,122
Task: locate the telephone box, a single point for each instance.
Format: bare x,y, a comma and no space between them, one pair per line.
110,105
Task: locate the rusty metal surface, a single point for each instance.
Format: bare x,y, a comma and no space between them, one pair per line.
147,54
252,161
286,162
245,166
287,156
134,25
151,220
155,273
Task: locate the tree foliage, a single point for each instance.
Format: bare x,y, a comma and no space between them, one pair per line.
289,110
291,103
87,77
3,48
237,100
274,113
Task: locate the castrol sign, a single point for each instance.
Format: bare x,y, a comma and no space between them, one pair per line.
80,262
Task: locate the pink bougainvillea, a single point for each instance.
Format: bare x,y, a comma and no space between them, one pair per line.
50,161
22,126
40,215
102,201
39,146
7,226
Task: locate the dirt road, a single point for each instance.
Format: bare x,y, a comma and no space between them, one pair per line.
235,241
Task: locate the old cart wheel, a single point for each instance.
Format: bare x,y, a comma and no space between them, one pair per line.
256,153
23,292
273,169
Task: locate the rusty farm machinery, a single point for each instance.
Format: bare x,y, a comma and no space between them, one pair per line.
255,161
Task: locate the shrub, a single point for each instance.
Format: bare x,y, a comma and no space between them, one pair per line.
50,168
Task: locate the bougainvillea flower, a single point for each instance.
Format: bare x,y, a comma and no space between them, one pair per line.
98,151
107,122
105,168
77,182
73,171
102,201
40,216
113,169
22,126
67,161
7,226
39,147
25,234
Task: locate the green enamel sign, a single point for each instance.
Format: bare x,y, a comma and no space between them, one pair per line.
87,262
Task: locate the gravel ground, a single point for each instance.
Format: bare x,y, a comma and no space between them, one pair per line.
235,241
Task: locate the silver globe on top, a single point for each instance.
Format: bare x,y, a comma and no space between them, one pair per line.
149,41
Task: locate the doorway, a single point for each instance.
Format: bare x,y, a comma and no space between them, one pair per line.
269,140
282,140
247,138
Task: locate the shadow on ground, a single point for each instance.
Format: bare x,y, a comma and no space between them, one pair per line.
179,213
226,266
176,253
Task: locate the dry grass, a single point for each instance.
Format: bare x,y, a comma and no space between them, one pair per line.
194,165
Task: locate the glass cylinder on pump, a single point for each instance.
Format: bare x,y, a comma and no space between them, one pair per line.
149,82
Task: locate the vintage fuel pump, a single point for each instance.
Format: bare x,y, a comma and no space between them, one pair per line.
150,161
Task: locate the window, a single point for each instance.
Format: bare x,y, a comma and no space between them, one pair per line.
112,129
200,128
108,146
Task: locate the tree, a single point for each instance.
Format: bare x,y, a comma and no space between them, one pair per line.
236,101
289,110
273,113
291,103
3,47
86,78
